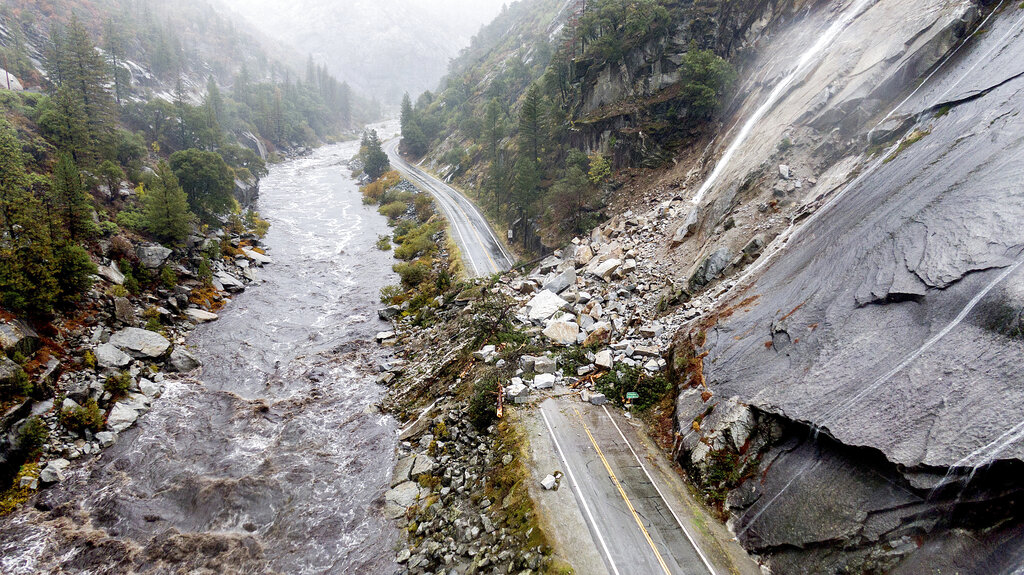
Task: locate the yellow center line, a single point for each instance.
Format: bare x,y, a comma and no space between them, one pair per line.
622,492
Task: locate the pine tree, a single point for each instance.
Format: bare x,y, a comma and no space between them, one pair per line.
113,45
78,66
27,275
531,124
70,199
63,121
166,205
406,117
376,162
214,100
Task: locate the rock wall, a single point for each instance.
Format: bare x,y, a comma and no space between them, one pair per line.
851,398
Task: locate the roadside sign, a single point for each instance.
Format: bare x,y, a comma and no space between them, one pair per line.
632,395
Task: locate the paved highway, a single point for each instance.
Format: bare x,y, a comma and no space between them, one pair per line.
482,253
632,523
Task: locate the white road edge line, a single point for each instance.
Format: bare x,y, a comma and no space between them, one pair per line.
579,493
446,208
660,494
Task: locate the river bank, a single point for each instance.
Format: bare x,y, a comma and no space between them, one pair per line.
269,459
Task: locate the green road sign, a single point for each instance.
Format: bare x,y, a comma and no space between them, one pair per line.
632,395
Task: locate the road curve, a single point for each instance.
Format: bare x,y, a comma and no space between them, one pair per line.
482,252
632,523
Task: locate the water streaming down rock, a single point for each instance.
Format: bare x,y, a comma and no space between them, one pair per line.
802,67
273,461
877,347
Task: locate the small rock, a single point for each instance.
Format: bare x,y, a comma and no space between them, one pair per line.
106,438
598,399
200,315
604,360
545,365
562,332
549,482
124,311
383,336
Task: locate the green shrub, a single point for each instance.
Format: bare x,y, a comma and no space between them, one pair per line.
89,359
118,384
389,293
131,284
33,435
78,419
168,277
204,272
383,243
483,404
412,273
21,385
620,381
393,210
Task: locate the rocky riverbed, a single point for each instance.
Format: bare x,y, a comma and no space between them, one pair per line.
266,459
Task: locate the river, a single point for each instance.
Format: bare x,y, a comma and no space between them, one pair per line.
273,460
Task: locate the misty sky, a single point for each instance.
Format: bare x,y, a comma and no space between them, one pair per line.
383,48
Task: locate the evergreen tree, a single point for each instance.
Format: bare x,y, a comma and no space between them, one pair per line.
113,45
214,100
375,161
207,182
531,124
79,67
406,117
345,105
62,120
166,207
70,199
27,275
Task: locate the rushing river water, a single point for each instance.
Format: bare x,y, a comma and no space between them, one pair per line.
273,460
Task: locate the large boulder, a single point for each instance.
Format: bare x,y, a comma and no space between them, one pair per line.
121,417
111,274
199,315
152,255
710,268
108,356
17,336
558,283
182,361
140,343
257,257
9,371
124,311
562,332
544,305
54,471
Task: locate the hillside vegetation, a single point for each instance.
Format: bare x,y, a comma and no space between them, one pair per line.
526,135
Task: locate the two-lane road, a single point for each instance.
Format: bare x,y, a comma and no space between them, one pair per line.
632,522
482,252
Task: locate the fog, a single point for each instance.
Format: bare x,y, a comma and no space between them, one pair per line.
382,48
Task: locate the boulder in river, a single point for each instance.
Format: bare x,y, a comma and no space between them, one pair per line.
54,471
121,417
182,361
